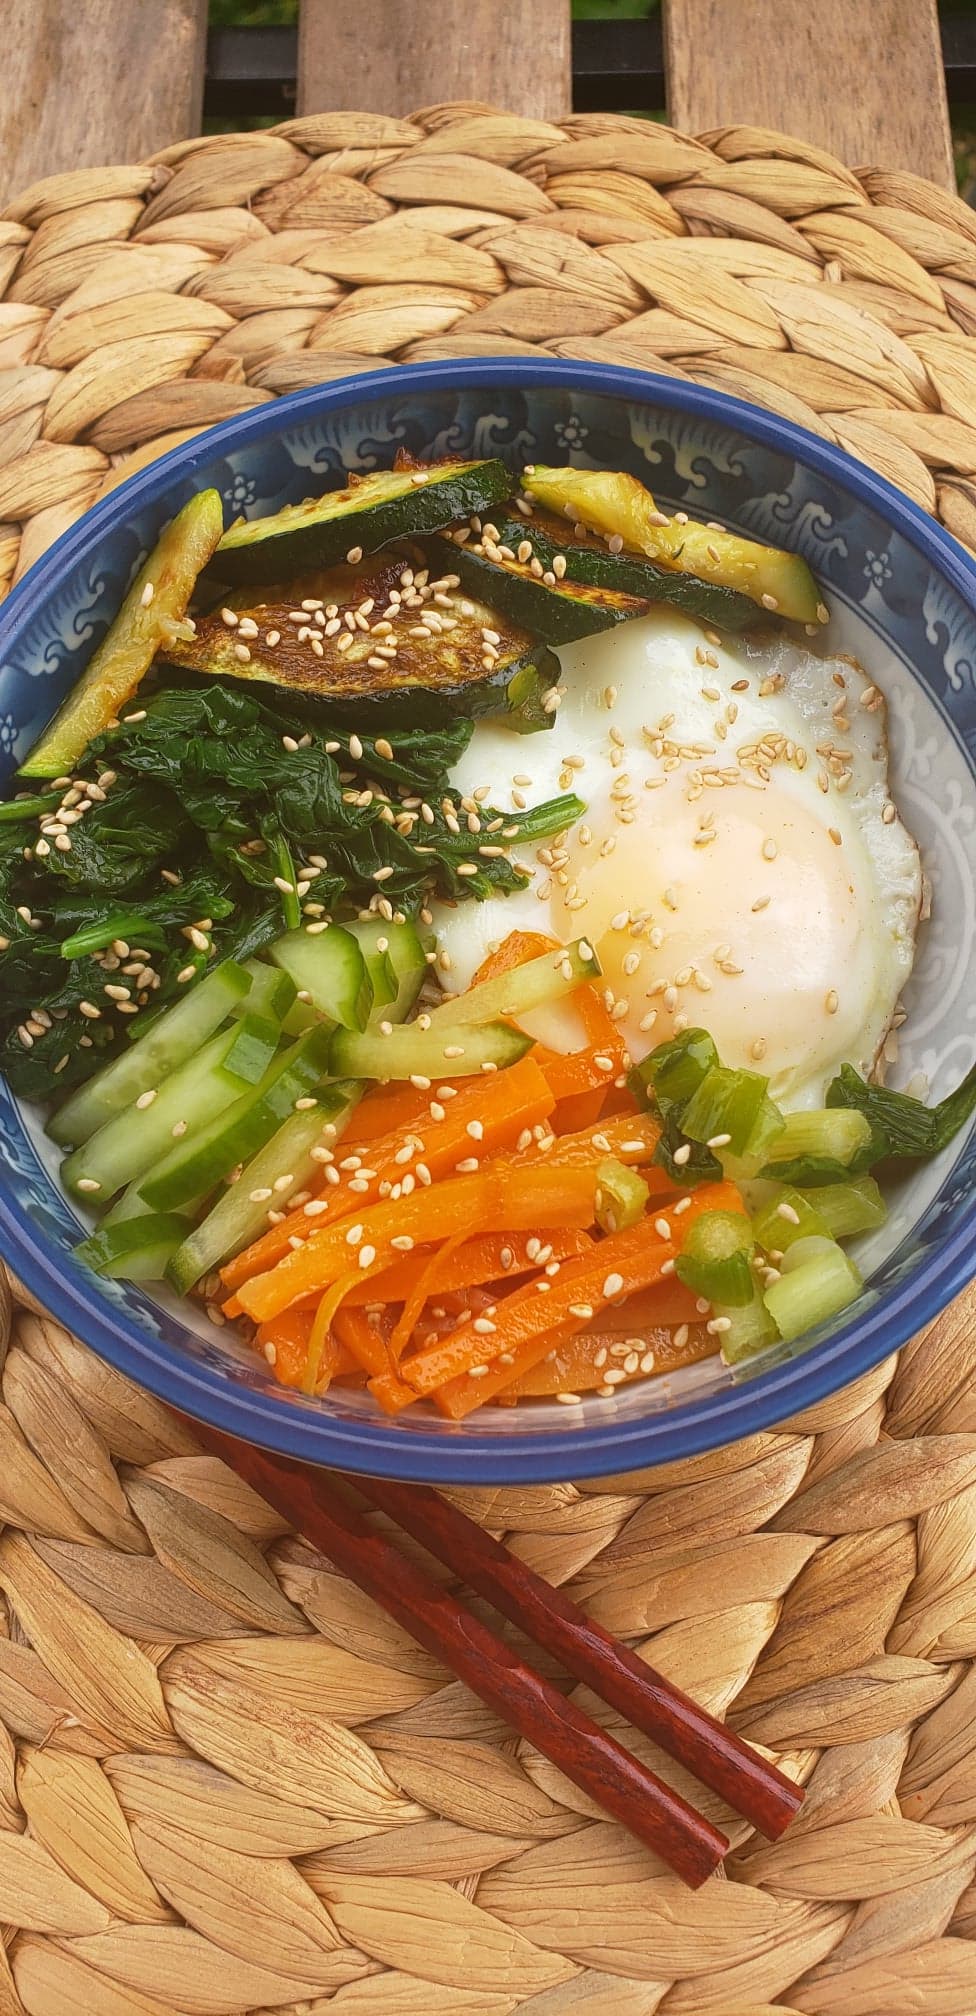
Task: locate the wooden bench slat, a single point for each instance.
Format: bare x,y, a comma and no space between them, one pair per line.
861,78
380,56
96,81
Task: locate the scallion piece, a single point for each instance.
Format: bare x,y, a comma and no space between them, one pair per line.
849,1208
787,1217
716,1259
808,1295
839,1132
621,1196
673,1071
731,1110
909,1128
751,1328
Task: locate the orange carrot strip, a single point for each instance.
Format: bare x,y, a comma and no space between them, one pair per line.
572,1367
423,1287
618,1266
321,1354
504,1104
391,1393
492,1257
515,950
384,1111
490,1201
574,1071
354,1329
291,1347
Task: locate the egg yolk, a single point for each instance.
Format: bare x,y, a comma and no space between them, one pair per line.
740,913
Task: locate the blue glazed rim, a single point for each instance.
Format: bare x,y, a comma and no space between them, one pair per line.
382,1448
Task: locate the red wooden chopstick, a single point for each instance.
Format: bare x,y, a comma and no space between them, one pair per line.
685,1731
618,1782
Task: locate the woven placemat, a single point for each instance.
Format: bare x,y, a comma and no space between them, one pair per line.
227,1783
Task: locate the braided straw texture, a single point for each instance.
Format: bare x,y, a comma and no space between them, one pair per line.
227,1783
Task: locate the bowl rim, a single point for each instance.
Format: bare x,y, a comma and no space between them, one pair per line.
383,1447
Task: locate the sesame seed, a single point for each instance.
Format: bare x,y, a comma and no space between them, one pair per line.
145,1099
662,1228
831,1002
718,1326
583,1310
354,555
87,1183
613,1285
719,1141
787,1213
769,850
367,1255
185,973
484,1326
179,1130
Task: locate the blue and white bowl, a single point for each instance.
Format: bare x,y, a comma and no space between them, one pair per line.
903,600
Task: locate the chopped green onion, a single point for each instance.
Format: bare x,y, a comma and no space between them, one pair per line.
697,1165
787,1217
849,1208
731,1109
716,1258
823,1286
839,1132
908,1127
673,1071
621,1196
751,1328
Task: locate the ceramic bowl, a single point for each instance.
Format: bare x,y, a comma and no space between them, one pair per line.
903,600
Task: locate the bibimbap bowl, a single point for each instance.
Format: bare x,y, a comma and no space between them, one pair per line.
902,601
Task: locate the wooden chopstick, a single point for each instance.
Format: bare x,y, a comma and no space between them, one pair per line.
716,1756
601,1767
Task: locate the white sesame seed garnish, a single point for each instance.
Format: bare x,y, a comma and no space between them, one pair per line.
719,1141
718,1326
787,1213
831,1001
87,1183
582,1310
662,1228
145,1099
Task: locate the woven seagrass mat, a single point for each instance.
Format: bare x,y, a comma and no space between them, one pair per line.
227,1782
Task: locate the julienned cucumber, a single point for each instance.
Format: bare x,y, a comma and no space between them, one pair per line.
135,1140
388,504
237,1132
134,1249
328,967
399,948
442,1053
534,985
272,991
278,1171
174,1037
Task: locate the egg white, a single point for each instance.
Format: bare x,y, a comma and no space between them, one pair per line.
740,866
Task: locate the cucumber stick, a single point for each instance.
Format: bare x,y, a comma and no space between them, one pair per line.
279,1170
130,1143
176,1035
399,948
235,1133
134,1249
534,985
451,1051
330,968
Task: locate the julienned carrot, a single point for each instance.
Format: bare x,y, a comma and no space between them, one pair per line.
628,1137
361,1338
618,1266
384,1111
420,1292
286,1337
490,1258
502,1106
569,1072
515,950
508,1200
322,1346
583,1360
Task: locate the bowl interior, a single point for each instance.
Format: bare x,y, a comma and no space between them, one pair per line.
901,598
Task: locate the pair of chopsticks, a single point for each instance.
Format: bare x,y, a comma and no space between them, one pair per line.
601,1767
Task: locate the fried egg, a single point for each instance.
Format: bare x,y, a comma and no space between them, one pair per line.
741,865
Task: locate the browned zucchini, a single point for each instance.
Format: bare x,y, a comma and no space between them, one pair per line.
406,659
557,610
